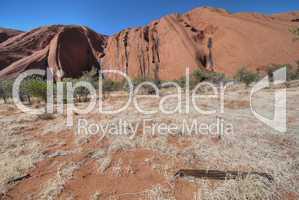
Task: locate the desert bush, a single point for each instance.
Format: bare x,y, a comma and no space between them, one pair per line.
80,93
246,76
111,85
6,89
295,31
46,116
146,89
138,81
181,82
210,76
34,86
200,75
91,76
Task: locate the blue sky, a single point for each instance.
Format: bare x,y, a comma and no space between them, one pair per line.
111,16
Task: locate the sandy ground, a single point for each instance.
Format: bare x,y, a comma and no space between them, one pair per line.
63,164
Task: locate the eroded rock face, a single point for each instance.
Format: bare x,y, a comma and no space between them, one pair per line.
25,44
201,38
165,47
8,33
161,50
63,49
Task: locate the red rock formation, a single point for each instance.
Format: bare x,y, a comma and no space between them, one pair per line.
161,50
64,49
167,46
7,33
71,52
25,44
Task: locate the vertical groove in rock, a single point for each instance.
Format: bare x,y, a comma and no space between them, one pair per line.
125,41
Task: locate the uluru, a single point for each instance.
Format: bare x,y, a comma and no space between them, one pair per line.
163,49
225,130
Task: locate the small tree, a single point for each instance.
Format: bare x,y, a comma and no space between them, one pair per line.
181,82
34,87
201,75
246,76
80,93
91,76
204,75
6,89
293,72
111,85
295,31
2,93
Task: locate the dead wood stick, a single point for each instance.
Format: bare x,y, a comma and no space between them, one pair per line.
219,175
14,180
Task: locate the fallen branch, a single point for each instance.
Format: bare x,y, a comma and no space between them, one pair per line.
219,175
14,180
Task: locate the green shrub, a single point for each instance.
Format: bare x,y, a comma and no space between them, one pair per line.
80,93
111,85
46,116
295,31
246,76
199,75
92,77
203,75
181,82
146,88
137,81
34,87
6,89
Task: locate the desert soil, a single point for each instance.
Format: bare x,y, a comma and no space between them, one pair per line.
63,164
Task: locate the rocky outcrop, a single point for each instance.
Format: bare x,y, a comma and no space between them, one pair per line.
67,50
161,50
202,38
25,44
164,48
8,33
71,53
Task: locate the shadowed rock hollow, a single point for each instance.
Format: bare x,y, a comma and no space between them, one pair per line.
71,53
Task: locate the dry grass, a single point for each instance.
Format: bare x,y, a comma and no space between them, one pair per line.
18,153
96,196
250,188
55,186
159,193
237,104
252,147
104,164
